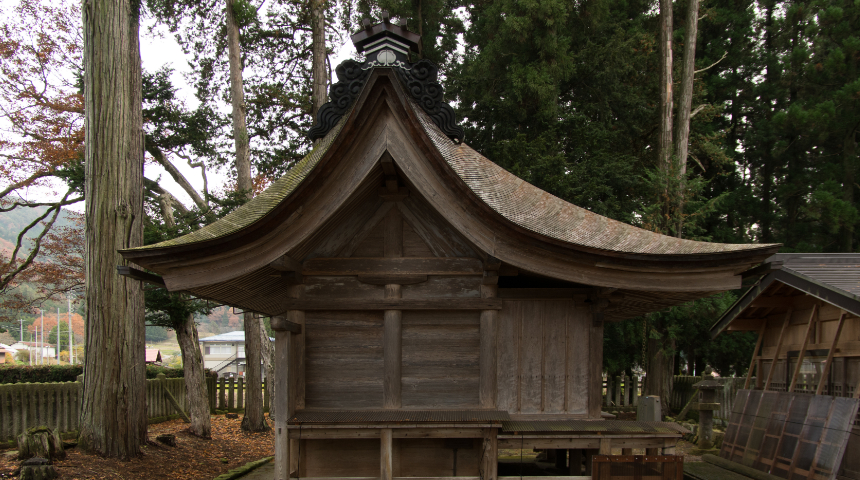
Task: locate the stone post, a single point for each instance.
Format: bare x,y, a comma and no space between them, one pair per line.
707,404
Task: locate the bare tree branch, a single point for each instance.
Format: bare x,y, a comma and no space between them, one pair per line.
37,242
725,54
698,109
159,157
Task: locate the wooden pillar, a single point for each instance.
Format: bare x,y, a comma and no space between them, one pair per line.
297,353
488,361
490,458
828,364
282,396
575,462
778,347
605,446
386,464
392,351
755,355
595,365
809,329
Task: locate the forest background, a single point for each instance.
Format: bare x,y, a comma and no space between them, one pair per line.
564,94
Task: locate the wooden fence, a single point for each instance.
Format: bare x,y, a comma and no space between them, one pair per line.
58,405
622,393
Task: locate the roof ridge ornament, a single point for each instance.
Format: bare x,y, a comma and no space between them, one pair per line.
387,45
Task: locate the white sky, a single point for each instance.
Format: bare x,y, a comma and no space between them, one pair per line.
160,48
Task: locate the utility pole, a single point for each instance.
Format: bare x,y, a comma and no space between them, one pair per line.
42,339
71,333
22,329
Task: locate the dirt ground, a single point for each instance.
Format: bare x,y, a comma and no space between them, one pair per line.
192,459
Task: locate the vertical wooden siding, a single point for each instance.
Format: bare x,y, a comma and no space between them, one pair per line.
543,357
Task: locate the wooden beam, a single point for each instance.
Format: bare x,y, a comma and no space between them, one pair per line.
394,304
391,183
772,302
286,264
487,361
393,266
490,278
387,163
386,457
540,293
755,353
825,371
778,346
281,324
389,279
809,328
492,263
605,446
282,395
390,196
140,275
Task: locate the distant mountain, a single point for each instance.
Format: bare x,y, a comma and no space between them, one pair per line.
11,224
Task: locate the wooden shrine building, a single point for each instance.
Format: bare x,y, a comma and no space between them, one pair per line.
805,308
431,307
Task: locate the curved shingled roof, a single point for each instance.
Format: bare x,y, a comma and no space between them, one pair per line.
543,213
260,205
514,199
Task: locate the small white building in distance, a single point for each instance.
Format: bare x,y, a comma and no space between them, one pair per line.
225,353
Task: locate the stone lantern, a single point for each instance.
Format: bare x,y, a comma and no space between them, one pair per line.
707,404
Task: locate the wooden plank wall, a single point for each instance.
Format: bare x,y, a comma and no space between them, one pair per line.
440,359
543,357
343,357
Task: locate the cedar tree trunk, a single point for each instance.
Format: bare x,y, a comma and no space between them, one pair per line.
685,101
237,99
658,381
320,76
195,380
113,411
664,147
253,421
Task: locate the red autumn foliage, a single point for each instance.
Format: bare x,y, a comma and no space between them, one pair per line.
41,111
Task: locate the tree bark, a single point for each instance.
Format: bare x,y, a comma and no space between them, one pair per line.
253,421
664,147
113,411
268,358
685,100
658,381
237,99
195,380
320,75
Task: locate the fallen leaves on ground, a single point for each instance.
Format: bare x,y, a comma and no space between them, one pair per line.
192,459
